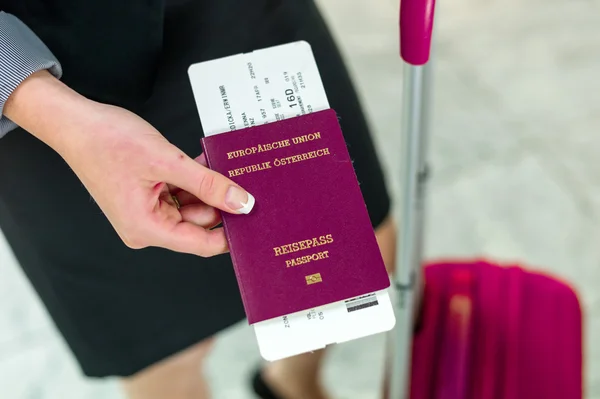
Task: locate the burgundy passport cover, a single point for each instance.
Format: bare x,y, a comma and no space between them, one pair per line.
308,240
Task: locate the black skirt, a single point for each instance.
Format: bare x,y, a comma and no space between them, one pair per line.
121,310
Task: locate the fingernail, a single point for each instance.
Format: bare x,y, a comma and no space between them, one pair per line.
239,200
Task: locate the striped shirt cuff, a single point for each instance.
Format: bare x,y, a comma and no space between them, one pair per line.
21,54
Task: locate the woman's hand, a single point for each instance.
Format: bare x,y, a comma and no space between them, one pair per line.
131,170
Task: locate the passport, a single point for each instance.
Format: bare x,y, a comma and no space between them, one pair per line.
309,240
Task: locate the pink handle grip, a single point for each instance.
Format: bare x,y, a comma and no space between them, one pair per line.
416,25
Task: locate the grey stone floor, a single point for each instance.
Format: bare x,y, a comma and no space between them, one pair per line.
514,149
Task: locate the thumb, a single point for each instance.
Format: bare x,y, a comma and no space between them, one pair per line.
210,187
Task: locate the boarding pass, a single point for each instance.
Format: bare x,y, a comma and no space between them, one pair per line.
265,86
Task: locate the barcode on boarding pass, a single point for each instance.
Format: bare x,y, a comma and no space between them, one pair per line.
361,302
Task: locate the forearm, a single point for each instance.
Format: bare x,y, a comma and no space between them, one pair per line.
31,95
46,108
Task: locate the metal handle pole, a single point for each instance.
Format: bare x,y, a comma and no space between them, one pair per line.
416,26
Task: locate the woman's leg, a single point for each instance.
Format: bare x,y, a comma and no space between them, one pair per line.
177,377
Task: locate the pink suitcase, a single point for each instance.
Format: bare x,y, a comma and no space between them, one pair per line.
483,330
488,332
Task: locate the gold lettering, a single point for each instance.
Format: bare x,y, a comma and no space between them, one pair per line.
249,169
306,137
259,148
302,260
301,157
303,245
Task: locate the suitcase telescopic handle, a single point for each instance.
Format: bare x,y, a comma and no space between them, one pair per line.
416,34
416,26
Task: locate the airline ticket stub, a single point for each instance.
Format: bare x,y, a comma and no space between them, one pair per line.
265,86
249,89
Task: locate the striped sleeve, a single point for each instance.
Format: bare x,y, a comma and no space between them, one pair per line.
21,54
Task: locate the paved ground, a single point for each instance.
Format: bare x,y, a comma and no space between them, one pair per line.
517,176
